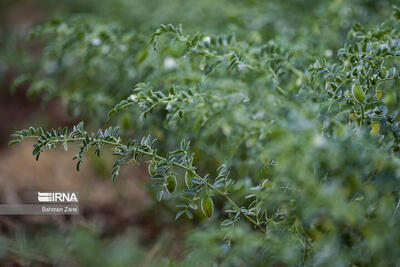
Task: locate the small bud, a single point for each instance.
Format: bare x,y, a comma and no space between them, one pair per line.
207,206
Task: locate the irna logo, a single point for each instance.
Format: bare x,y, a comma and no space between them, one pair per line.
57,197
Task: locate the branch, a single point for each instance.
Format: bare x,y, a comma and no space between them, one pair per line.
129,151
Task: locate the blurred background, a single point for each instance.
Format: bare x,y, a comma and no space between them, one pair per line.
121,223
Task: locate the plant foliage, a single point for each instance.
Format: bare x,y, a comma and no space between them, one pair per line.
294,153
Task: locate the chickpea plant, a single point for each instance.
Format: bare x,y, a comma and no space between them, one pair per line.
301,153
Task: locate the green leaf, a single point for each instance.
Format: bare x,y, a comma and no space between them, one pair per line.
179,213
13,142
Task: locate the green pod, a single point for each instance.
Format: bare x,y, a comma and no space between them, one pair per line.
358,92
207,206
188,179
171,184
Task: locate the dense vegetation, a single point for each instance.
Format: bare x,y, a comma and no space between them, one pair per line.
273,125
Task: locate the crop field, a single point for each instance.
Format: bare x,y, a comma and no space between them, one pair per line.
200,133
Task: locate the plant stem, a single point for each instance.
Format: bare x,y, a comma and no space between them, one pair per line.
362,114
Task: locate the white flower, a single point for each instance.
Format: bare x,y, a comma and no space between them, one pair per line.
96,41
207,39
169,63
133,97
319,140
241,66
328,53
